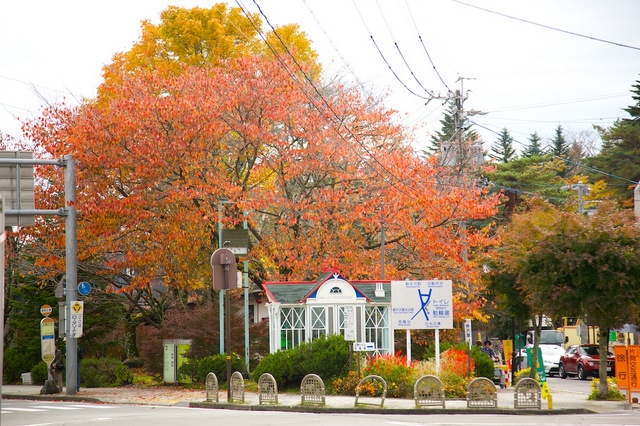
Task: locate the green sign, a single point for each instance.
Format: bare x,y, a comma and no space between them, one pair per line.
541,375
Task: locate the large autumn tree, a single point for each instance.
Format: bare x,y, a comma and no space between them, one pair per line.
317,169
183,38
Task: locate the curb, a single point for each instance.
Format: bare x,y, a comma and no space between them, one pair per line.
375,410
53,397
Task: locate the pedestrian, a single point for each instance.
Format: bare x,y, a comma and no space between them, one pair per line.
487,349
57,368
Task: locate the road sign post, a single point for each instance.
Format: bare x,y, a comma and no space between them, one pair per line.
225,277
420,305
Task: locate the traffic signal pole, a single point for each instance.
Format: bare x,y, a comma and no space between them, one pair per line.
70,214
71,270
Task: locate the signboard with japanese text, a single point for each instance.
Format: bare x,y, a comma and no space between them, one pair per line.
364,346
507,347
626,359
76,315
420,305
349,324
47,339
467,333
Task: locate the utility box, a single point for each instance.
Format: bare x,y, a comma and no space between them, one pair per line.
174,357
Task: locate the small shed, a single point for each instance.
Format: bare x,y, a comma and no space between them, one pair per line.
300,311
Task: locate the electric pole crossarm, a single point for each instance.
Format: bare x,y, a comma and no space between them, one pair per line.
34,162
34,212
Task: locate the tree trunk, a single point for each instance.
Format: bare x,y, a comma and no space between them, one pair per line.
537,327
603,386
130,338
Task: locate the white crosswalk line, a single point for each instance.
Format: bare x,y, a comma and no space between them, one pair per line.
99,407
23,409
57,407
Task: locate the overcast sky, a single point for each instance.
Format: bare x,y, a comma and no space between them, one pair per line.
575,68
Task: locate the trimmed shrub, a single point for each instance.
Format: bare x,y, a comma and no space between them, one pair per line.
17,362
104,372
399,376
346,385
613,392
39,373
484,363
198,369
455,385
282,365
328,357
525,372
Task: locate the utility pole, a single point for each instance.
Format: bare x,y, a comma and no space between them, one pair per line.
636,201
70,215
583,190
382,239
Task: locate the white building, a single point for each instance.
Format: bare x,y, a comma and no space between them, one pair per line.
300,311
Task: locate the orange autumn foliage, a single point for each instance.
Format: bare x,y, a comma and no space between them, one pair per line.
317,171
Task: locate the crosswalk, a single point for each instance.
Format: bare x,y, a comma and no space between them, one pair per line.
12,407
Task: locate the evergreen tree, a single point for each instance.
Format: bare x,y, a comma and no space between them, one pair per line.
634,110
620,154
534,147
620,159
559,145
448,129
502,149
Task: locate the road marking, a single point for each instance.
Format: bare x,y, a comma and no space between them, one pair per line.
23,409
100,407
56,407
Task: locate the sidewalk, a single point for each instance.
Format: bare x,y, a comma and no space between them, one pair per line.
563,402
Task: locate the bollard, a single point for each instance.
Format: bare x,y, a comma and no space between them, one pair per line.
550,402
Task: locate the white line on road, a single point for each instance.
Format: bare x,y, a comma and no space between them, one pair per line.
100,407
22,409
57,407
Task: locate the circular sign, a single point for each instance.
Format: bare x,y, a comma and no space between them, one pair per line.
46,310
84,288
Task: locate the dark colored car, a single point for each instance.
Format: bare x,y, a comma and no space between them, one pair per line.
584,361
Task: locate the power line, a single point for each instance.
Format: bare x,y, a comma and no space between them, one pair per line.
433,65
547,26
412,187
311,99
358,81
385,59
415,77
566,160
565,102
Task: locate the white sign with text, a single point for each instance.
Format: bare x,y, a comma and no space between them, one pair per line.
419,305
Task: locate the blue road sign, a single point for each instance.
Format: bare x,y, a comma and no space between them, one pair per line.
84,288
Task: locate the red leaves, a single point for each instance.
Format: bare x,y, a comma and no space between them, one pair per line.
158,151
